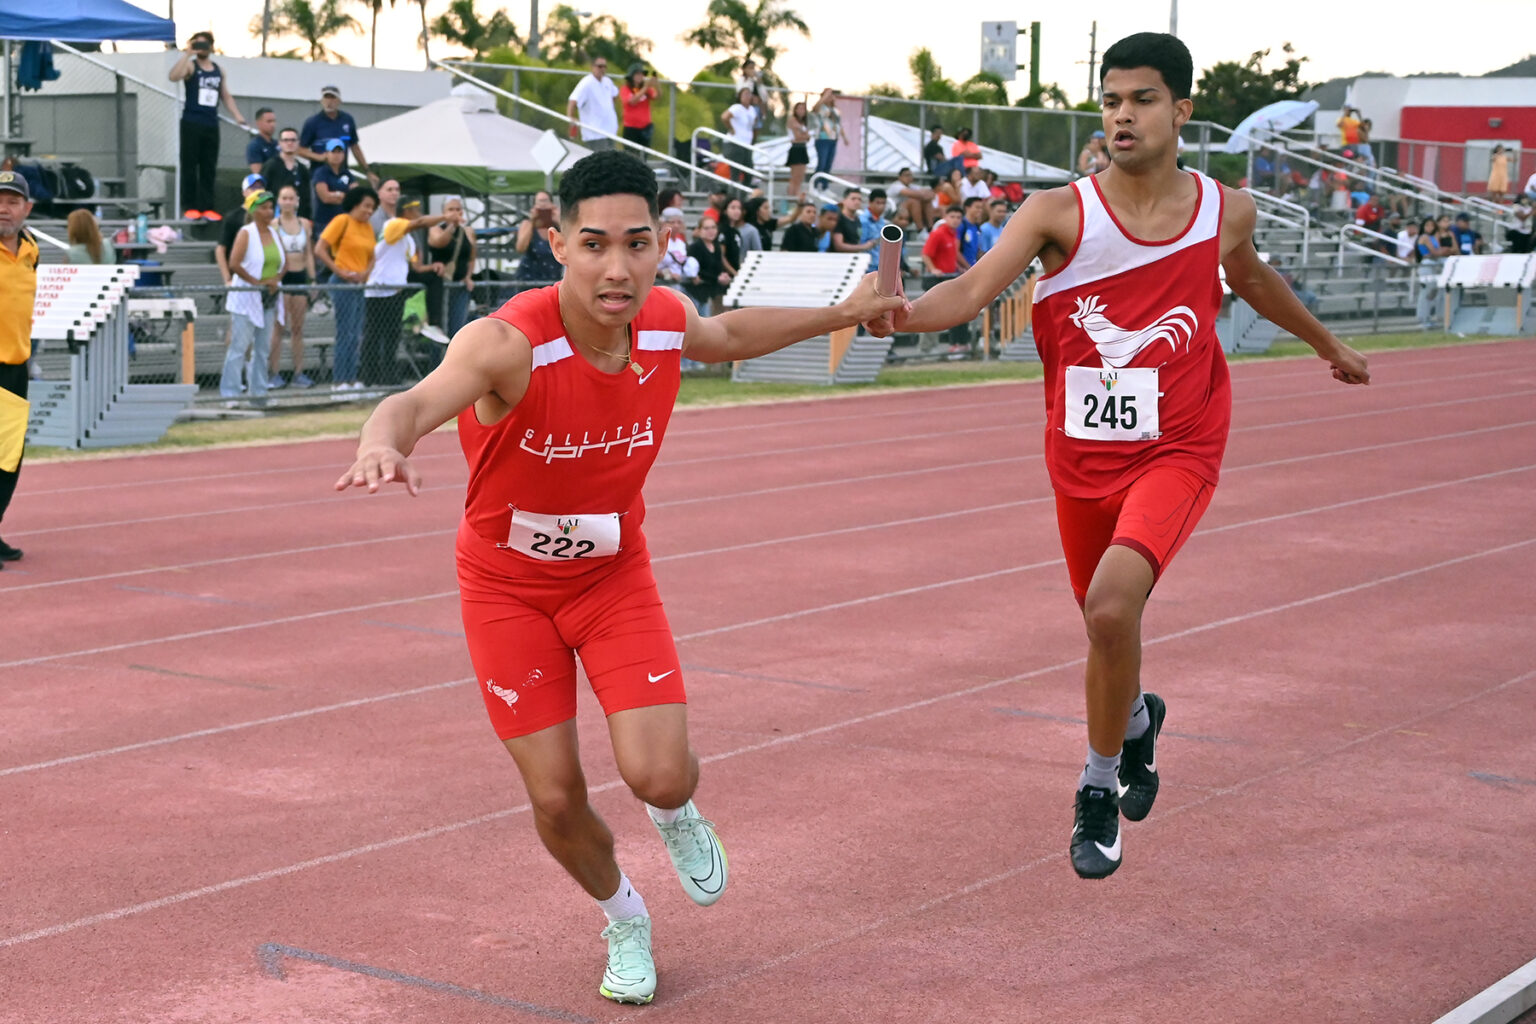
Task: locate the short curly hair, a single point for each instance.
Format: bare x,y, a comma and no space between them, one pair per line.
609,173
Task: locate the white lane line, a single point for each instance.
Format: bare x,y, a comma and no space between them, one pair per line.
778,741
779,618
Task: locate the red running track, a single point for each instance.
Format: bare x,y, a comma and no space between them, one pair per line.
247,777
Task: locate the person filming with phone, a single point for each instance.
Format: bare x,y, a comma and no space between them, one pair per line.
206,87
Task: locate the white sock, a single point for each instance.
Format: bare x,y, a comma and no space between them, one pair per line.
1100,771
663,815
626,902
1140,721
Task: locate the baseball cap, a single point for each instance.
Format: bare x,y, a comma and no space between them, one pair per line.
10,181
255,199
1097,135
330,145
408,202
673,213
251,181
330,90
830,208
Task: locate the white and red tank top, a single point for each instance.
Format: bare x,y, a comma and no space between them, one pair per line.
1142,315
581,441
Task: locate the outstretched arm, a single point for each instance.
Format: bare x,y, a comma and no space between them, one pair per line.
748,333
1037,223
1259,285
487,357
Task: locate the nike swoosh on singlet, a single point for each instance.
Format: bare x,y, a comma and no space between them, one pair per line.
643,378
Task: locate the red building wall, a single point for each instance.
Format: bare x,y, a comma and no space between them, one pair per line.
1444,164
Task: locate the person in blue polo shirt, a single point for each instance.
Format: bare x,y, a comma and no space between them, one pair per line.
332,123
331,180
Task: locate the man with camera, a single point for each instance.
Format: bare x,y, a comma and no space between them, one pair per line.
206,88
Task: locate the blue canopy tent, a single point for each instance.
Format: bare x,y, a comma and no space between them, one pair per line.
83,21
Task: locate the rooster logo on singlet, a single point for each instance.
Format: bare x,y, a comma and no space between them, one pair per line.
1118,346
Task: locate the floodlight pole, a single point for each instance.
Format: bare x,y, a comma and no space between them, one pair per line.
1173,17
533,28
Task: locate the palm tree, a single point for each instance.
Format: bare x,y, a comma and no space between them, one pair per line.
314,23
569,38
426,36
377,7
463,25
741,31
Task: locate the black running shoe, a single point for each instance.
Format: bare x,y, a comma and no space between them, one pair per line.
8,553
1138,764
1096,833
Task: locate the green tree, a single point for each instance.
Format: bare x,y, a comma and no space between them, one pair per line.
570,38
1228,92
315,23
984,88
741,30
377,7
462,25
425,39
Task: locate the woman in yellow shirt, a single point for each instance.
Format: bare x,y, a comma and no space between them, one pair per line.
346,249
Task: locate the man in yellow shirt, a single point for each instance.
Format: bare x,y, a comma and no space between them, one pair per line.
18,289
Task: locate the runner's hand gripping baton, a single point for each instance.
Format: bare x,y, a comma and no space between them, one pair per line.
888,278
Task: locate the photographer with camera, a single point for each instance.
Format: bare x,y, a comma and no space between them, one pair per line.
538,265
635,97
206,87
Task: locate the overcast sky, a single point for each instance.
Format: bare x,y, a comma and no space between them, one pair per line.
851,51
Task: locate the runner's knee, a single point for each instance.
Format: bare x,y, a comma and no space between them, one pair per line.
1111,619
558,802
663,785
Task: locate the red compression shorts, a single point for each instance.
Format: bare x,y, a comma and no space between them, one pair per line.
1153,516
525,631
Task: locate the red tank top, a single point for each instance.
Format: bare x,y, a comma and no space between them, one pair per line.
581,441
1119,302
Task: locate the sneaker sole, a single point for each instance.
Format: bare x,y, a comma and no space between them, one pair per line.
620,997
1094,876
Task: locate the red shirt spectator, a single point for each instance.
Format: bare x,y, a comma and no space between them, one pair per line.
941,250
966,150
637,112
1369,214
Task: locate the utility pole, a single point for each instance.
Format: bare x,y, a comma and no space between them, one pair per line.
266,24
1173,17
1093,59
1034,60
533,29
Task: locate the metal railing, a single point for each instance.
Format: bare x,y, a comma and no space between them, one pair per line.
1356,229
756,151
1300,217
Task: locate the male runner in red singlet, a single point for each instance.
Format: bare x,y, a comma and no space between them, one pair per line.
563,396
1137,397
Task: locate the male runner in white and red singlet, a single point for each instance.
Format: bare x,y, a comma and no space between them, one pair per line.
1137,397
563,396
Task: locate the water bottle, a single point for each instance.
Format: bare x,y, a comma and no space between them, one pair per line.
141,232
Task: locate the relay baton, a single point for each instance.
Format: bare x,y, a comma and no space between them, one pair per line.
888,278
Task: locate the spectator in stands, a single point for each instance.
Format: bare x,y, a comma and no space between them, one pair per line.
752,79
1298,287
974,185
715,272
590,108
965,150
234,220
1530,188
286,168
729,237
85,242
1520,233
332,123
1445,236
206,87
677,271
1369,214
1468,241
1349,127
761,215
635,97
451,245
538,265
941,253
346,247
256,260
799,137
1363,152
1428,248
1094,157
933,154
1498,174
801,236
332,181
748,238
394,260
740,120
849,233
1407,241
914,199
295,236
827,126
263,145
975,210
871,222
669,197
997,219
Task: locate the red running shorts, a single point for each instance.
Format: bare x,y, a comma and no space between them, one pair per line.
526,628
1153,516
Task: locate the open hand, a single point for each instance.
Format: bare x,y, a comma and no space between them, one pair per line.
380,466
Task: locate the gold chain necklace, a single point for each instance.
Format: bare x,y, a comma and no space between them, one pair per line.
627,356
